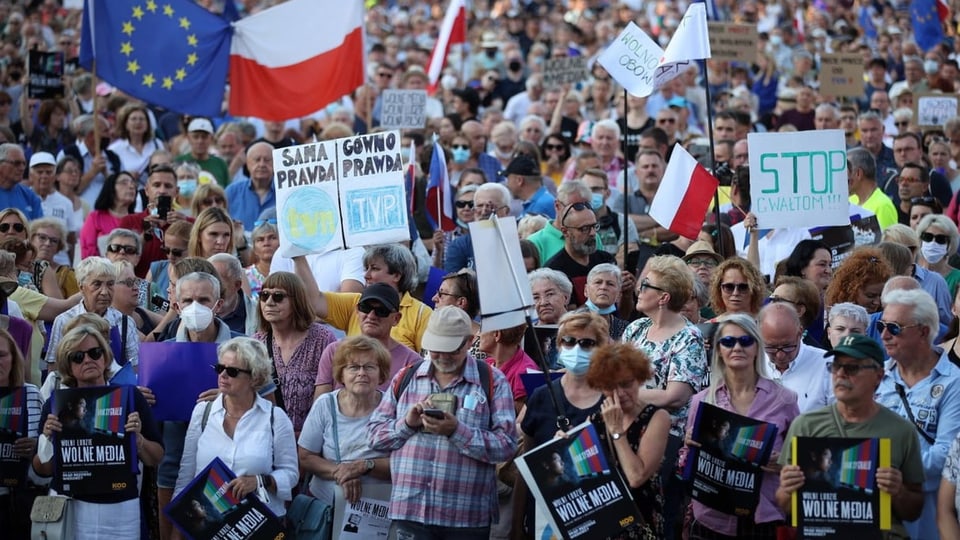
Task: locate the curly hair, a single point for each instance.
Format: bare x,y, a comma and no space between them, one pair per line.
758,289
864,267
610,362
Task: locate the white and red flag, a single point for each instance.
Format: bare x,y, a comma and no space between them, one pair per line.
453,31
683,197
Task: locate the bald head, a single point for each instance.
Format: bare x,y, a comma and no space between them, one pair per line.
781,331
779,314
260,163
900,283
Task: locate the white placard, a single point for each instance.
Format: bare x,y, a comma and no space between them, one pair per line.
632,60
404,109
502,302
798,179
365,519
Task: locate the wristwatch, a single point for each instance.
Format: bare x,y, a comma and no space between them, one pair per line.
368,466
616,436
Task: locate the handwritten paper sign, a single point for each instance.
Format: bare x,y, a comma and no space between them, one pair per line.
932,110
841,75
632,60
731,42
571,70
339,194
799,179
404,109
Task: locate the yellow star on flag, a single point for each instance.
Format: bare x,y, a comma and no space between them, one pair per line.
151,6
192,40
168,10
184,23
181,74
128,28
137,13
167,83
149,79
126,48
192,58
133,66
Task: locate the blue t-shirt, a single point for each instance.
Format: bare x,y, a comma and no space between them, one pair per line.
23,199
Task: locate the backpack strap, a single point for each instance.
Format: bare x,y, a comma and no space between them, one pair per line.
403,381
206,416
336,430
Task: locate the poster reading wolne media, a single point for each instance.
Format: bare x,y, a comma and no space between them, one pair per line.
207,510
577,491
13,425
94,455
725,470
839,497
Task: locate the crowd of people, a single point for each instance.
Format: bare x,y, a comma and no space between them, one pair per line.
123,224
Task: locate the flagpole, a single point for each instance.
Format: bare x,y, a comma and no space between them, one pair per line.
713,157
96,112
626,200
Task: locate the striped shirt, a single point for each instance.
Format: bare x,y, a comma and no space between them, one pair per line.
447,481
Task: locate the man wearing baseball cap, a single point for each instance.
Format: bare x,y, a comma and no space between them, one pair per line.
857,370
53,203
525,182
445,433
200,135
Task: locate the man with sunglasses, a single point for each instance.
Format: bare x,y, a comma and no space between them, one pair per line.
921,385
248,198
857,369
14,194
907,149
792,362
579,253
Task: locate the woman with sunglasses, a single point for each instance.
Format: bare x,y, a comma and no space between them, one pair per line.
463,204
675,350
266,241
860,279
739,384
556,151
938,241
578,336
252,436
83,359
13,224
294,341
116,200
737,287
175,242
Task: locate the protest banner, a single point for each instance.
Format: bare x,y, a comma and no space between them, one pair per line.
732,42
93,454
501,277
932,110
578,493
342,193
207,510
13,426
841,241
546,339
404,109
839,497
568,70
177,372
841,75
725,469
632,60
45,71
799,179
365,519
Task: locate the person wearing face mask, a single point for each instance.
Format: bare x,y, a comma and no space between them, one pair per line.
610,222
938,239
188,175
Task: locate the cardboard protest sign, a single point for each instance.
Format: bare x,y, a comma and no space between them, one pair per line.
932,110
93,454
342,193
501,277
841,75
725,469
13,426
45,75
632,60
365,519
569,70
404,109
177,372
732,42
207,509
578,493
839,497
799,179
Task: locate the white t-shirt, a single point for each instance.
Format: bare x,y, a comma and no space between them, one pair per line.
57,205
329,269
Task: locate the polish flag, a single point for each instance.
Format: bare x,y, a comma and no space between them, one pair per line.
943,10
683,197
438,201
453,31
295,58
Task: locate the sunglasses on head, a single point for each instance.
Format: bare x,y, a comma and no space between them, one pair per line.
5,227
77,357
895,329
941,239
922,200
585,343
259,222
277,296
232,372
464,204
729,342
578,206
380,311
741,288
117,248
176,252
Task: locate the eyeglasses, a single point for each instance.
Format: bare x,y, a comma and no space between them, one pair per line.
176,252
232,372
130,282
44,239
941,239
5,227
778,299
117,248
786,349
729,342
585,343
441,294
895,329
460,147
77,357
741,288
385,75
645,284
277,296
666,120
210,201
908,179
586,229
16,162
709,263
354,369
380,311
898,124
552,147
464,204
259,222
850,369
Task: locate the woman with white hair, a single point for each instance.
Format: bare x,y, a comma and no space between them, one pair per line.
603,293
938,240
844,319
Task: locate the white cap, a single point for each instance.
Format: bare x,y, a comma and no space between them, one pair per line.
200,124
42,158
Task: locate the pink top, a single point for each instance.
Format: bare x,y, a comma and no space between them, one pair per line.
518,364
99,223
400,357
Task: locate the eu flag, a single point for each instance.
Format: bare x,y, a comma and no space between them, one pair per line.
927,28
171,53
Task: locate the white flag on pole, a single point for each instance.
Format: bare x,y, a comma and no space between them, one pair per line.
689,43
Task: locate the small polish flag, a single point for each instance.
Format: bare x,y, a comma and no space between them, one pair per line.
684,194
453,31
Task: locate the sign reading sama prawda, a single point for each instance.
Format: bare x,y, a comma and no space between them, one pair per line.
798,179
341,193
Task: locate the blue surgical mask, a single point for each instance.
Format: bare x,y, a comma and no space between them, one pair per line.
187,187
24,279
602,311
575,359
462,223
596,201
461,155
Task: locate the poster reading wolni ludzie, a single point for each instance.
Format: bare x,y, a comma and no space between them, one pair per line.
799,179
207,510
575,487
839,496
342,193
13,425
725,470
94,455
